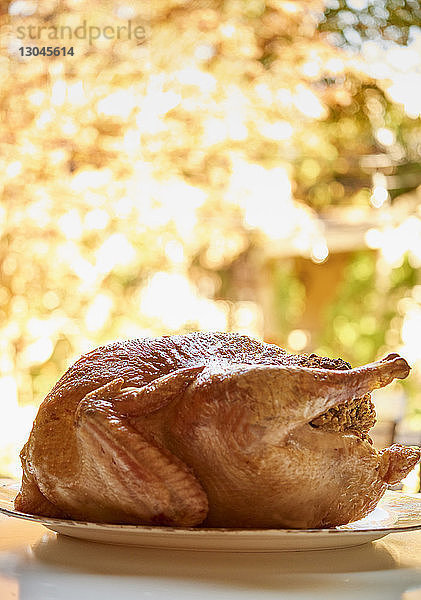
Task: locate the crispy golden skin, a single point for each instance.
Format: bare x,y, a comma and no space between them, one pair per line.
213,429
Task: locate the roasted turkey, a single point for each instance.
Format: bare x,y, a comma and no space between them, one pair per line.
211,429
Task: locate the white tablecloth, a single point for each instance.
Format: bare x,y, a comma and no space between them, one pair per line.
38,565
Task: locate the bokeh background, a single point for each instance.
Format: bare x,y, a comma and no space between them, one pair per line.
252,166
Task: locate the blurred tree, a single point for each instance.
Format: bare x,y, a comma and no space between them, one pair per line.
356,20
145,183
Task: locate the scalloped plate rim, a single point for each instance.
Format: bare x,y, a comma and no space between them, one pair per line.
195,530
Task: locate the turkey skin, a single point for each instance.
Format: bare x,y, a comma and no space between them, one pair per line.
210,429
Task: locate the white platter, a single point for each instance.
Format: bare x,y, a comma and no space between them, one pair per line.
395,513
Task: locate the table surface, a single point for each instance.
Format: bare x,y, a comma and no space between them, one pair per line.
39,565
